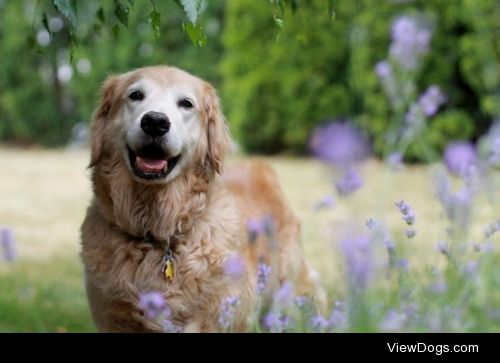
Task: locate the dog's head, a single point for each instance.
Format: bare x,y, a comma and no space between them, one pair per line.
161,120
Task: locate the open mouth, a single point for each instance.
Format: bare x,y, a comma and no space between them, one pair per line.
152,162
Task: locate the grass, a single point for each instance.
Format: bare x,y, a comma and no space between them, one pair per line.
44,195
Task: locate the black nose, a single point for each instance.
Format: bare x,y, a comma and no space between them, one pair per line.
155,124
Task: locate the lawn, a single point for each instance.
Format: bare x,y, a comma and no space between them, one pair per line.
44,195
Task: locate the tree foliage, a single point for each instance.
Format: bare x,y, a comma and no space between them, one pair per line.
283,66
322,67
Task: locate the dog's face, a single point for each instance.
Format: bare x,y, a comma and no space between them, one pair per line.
162,120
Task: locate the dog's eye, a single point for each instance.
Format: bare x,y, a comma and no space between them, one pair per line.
136,95
185,103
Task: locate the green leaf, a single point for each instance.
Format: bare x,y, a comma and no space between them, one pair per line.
73,44
331,12
121,12
68,9
115,30
294,5
195,33
278,21
154,19
193,8
100,15
45,23
131,3
30,41
281,5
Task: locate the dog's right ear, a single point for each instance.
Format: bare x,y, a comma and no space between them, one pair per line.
101,114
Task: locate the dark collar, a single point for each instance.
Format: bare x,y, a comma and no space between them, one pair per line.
167,246
148,237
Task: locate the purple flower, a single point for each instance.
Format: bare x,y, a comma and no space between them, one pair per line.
284,296
443,247
493,228
300,301
263,274
413,117
325,203
268,226
170,327
395,160
389,244
438,287
277,322
410,41
371,224
407,211
393,321
409,218
319,323
459,157
234,267
254,226
410,232
403,264
493,144
383,69
339,144
349,182
457,205
403,207
494,152
153,305
338,318
8,244
430,100
470,267
254,229
359,257
228,309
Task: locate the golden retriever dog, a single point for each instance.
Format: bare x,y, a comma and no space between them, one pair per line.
164,216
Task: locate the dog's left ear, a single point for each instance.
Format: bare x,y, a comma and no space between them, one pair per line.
217,129
100,119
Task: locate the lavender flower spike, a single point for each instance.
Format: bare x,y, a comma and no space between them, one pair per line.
254,229
395,161
349,182
319,323
153,305
8,244
459,157
410,41
277,322
408,214
410,233
228,311
263,274
383,69
234,267
326,202
359,256
430,100
339,143
284,296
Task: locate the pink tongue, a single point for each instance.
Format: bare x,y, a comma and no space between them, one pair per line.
151,165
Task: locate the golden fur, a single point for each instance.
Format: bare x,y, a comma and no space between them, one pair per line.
204,213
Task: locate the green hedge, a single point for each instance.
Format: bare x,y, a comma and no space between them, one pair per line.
276,85
323,68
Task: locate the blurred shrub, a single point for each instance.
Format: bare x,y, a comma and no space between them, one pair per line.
276,84
44,94
276,91
322,67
